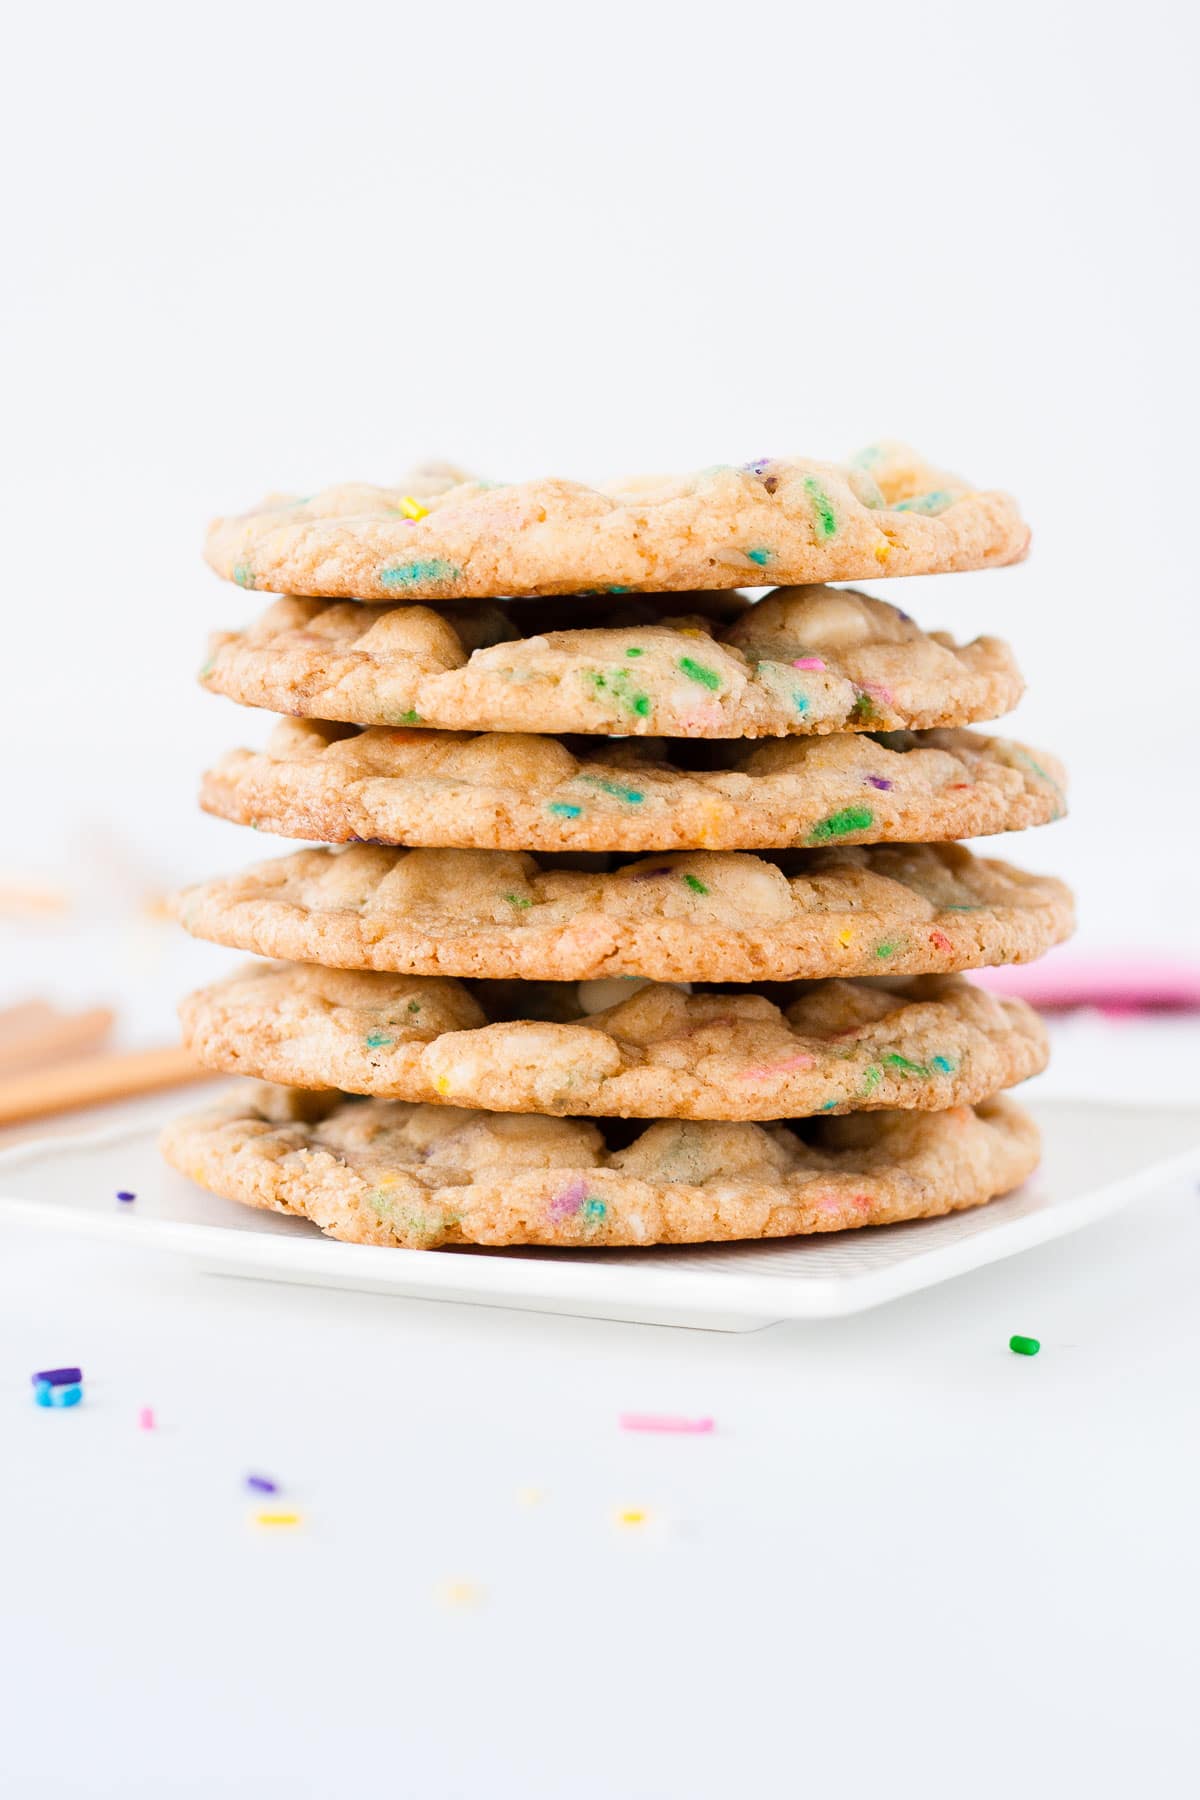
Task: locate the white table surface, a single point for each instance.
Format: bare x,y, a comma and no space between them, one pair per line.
907,1561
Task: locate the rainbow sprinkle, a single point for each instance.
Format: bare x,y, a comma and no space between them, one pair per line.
699,672
665,1422
823,513
412,509
841,824
1024,1346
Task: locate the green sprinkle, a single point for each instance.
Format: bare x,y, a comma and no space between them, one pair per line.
823,511
942,1063
634,650
838,824
761,557
871,1079
243,574
631,796
1024,1346
696,885
698,672
886,949
517,900
829,1105
936,502
414,1006
593,1208
870,458
800,702
625,696
409,718
902,1062
426,568
862,709
377,1039
1023,756
564,809
616,590
207,670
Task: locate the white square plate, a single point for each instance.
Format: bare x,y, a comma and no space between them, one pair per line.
1097,1158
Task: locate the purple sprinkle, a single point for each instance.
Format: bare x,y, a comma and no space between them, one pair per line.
124,1194
58,1377
877,781
569,1201
262,1484
650,874
758,465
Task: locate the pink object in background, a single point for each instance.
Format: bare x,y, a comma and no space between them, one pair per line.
1114,984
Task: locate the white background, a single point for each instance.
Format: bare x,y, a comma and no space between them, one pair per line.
251,247
261,247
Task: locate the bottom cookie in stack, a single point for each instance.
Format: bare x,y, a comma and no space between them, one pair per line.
420,1176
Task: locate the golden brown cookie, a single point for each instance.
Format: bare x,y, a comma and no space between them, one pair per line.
778,519
703,916
802,661
507,791
633,1049
382,1172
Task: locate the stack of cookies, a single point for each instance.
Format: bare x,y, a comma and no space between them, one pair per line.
639,916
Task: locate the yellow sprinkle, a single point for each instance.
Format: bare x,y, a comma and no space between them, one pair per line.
412,509
632,1515
278,1518
531,1496
442,1084
460,1593
845,937
882,551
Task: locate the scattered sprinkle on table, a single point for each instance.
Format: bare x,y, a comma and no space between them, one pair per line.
262,1484
1024,1346
277,1518
460,1593
57,1377
146,1419
531,1496
125,1194
46,1393
631,1515
663,1422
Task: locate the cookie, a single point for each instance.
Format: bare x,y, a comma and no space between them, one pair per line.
619,1048
508,791
704,916
804,660
383,1172
778,519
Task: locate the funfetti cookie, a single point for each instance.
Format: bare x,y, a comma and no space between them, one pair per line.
803,661
382,1172
510,791
633,1049
700,916
777,519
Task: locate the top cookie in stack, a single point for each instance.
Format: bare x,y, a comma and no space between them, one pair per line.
503,948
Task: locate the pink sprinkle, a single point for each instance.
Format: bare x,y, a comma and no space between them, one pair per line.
660,1422
146,1419
569,1201
809,662
799,1061
873,687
